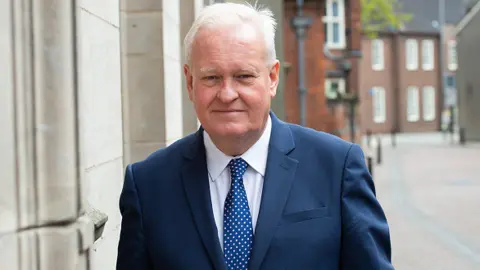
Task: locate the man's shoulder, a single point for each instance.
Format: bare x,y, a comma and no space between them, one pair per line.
171,155
308,139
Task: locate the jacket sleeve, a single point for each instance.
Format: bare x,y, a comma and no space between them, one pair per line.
365,232
132,252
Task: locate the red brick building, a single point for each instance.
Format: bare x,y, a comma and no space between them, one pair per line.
401,71
336,22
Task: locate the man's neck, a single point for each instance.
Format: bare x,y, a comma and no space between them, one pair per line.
236,146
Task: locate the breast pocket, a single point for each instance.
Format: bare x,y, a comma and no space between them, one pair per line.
303,240
304,215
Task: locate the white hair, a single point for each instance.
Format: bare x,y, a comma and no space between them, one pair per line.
221,14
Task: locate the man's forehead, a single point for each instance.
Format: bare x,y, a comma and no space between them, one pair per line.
243,31
232,38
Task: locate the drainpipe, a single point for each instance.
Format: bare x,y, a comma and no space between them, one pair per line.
441,68
301,23
348,48
396,82
343,70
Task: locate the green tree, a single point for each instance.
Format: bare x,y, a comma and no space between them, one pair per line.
379,15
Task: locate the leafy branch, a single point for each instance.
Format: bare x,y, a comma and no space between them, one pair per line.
378,15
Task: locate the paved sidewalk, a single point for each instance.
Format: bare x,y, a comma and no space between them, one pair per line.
430,190
430,138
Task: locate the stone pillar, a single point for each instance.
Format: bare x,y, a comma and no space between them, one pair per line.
41,193
100,122
188,12
151,76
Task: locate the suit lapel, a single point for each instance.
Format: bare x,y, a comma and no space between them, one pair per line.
195,181
279,176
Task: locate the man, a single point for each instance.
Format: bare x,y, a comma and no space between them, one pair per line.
248,190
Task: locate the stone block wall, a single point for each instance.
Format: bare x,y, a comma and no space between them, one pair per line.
42,196
156,109
100,119
95,85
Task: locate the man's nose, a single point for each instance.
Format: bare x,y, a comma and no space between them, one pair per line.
227,93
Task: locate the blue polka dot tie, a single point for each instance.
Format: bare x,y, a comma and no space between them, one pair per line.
237,221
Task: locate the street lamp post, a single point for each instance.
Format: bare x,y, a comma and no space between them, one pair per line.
441,29
343,68
301,23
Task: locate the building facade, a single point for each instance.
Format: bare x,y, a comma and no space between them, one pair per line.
401,83
401,72
335,23
468,81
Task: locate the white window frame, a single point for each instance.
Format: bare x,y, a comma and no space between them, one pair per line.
341,86
411,54
452,55
429,103
378,54
428,54
379,105
413,104
329,21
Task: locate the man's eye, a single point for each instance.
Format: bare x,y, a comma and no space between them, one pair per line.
245,76
210,78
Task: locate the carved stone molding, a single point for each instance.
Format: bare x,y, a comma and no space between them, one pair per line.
40,189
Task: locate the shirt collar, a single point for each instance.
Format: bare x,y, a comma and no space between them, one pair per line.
255,156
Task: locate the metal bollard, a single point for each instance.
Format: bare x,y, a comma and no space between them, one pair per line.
462,136
370,164
379,151
394,138
369,137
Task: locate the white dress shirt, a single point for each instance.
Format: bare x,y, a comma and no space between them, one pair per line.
220,180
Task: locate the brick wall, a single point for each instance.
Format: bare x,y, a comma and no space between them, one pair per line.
319,116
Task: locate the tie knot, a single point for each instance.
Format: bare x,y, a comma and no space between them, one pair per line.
238,166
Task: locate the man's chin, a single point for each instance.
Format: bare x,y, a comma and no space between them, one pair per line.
230,130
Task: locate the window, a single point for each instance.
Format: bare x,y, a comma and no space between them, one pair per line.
428,103
411,54
413,108
451,82
377,54
333,87
334,24
428,55
379,105
452,55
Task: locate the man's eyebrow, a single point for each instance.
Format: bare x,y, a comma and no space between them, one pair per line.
214,70
249,69
208,70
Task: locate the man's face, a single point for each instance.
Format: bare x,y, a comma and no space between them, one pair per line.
229,82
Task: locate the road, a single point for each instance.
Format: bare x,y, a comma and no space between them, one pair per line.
430,191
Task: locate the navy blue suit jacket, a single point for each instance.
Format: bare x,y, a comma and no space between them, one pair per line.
318,210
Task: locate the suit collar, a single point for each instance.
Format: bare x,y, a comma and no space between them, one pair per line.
217,161
278,180
281,138
195,182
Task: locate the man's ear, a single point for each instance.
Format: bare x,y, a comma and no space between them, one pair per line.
189,81
274,78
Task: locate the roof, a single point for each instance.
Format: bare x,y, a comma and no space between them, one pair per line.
425,14
474,8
